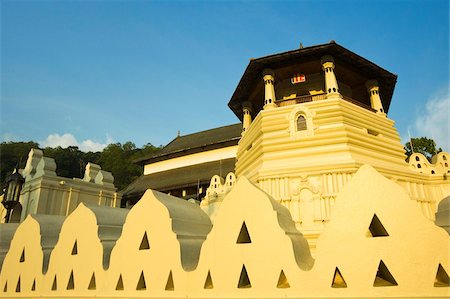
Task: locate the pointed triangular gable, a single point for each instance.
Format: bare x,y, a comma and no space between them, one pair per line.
22,256
208,282
283,283
244,281
376,228
338,280
144,243
442,279
92,283
119,285
54,285
169,285
244,236
75,248
141,283
18,285
70,283
384,278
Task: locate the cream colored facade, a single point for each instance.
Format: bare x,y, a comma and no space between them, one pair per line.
322,204
302,150
305,170
165,247
46,193
192,159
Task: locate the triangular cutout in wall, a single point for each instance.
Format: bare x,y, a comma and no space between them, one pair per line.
75,248
376,229
283,283
70,283
5,288
141,283
144,243
169,285
54,285
33,287
208,282
92,284
22,256
244,281
244,236
18,285
442,279
338,280
119,284
384,278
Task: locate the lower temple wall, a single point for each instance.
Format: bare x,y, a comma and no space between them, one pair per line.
376,244
310,200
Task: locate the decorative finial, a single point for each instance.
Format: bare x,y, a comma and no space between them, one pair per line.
178,134
301,45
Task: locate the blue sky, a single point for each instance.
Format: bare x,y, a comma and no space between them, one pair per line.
88,73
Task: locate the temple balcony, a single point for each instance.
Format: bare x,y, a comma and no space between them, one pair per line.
317,97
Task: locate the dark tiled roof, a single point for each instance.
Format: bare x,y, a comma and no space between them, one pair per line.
255,68
179,177
196,142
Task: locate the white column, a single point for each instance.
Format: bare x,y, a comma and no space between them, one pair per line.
374,94
331,85
246,116
269,89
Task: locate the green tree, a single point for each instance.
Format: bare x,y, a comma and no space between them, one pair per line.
146,150
69,161
117,158
11,154
422,145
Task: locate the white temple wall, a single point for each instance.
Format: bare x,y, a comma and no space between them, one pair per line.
46,193
164,247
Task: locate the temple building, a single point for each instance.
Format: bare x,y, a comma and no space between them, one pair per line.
44,192
309,119
309,196
184,167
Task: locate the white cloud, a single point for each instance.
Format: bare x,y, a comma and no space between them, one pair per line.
434,121
67,139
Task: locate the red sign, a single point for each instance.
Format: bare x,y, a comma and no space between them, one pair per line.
298,78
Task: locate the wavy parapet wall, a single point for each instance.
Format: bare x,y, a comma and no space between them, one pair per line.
377,244
440,164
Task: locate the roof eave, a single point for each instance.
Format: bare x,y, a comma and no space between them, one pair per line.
248,79
183,152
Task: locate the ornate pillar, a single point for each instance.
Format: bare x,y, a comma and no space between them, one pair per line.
374,94
246,116
269,89
331,85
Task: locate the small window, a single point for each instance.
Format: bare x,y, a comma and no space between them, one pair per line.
417,158
301,123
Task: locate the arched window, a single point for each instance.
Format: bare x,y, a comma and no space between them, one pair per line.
301,123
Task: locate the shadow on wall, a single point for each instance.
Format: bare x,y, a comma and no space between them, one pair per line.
167,247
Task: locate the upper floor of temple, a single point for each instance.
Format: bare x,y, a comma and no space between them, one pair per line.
312,73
